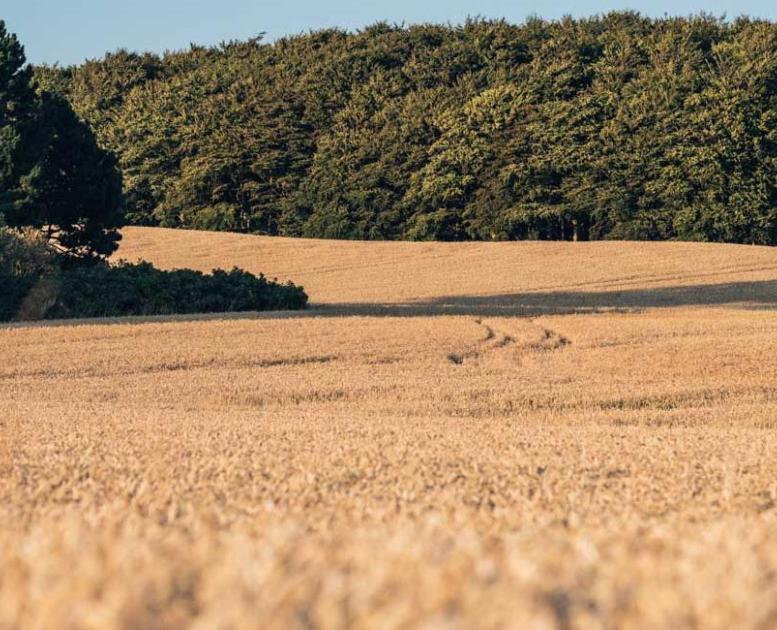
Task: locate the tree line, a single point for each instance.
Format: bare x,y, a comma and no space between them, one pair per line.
617,126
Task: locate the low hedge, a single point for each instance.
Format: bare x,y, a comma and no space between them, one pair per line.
141,289
13,289
58,287
24,258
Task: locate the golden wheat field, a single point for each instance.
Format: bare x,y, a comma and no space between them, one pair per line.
481,435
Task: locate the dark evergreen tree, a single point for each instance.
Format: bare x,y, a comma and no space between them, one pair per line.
53,176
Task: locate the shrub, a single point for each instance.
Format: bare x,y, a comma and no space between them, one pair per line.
24,258
101,290
24,253
12,292
141,289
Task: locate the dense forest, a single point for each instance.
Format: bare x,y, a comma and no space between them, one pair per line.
618,126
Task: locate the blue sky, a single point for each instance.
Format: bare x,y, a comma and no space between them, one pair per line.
67,31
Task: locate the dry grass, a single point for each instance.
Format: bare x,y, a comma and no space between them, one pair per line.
478,435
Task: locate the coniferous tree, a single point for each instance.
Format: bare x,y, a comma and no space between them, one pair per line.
53,176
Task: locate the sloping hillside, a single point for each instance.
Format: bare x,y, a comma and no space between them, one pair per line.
512,275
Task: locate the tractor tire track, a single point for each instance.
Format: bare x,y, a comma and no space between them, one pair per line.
495,340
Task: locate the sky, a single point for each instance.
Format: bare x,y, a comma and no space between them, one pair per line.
69,31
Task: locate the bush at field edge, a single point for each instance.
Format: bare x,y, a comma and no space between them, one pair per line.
141,289
35,284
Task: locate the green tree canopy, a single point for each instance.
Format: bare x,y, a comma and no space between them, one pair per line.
53,175
617,126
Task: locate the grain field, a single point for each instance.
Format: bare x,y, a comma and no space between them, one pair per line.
493,435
